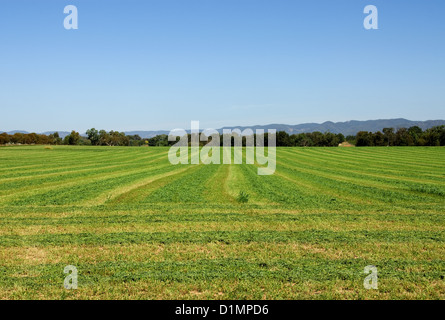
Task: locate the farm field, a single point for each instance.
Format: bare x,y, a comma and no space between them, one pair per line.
137,227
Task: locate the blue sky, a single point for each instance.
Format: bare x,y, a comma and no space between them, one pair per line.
158,64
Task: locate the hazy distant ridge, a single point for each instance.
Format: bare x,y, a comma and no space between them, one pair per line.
346,128
349,127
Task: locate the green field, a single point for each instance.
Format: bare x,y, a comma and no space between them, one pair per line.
138,227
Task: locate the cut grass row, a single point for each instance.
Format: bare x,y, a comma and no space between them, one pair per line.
138,227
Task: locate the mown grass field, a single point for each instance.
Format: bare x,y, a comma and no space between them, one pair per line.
137,227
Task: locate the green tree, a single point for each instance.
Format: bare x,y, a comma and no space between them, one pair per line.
104,138
72,139
379,139
54,138
389,136
4,138
93,136
17,138
351,139
403,138
432,136
415,132
283,139
341,138
364,139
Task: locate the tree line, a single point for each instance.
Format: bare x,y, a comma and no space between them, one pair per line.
93,137
413,136
114,138
283,139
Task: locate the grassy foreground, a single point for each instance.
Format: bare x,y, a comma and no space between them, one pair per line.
138,227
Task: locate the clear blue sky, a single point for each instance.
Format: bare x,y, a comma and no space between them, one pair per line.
158,64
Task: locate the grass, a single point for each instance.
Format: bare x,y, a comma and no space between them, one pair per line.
243,197
137,227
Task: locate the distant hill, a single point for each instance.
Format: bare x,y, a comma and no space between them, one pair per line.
146,134
346,128
15,131
62,134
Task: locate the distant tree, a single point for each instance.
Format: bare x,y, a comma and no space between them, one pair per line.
17,138
313,139
72,139
379,139
331,140
4,138
85,141
415,132
432,136
159,141
403,138
134,137
364,139
93,136
351,139
441,130
30,138
135,140
341,138
389,136
305,140
57,138
283,139
54,138
435,136
104,138
44,139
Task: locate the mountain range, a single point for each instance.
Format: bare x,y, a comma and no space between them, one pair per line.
346,128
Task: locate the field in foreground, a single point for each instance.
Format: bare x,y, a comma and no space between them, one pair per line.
138,227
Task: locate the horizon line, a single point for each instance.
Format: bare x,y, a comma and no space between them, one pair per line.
227,126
